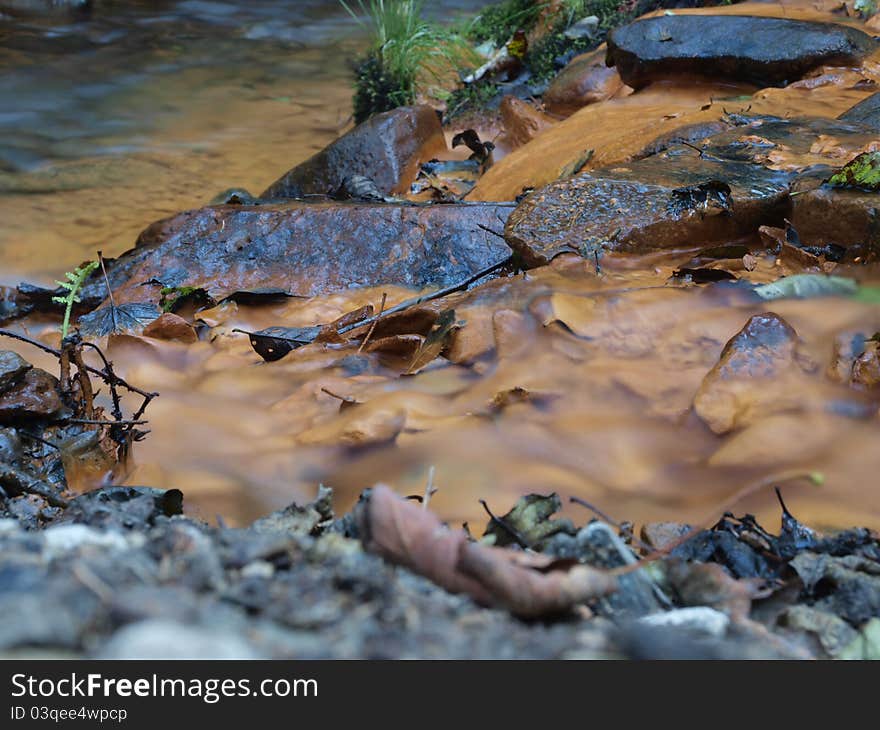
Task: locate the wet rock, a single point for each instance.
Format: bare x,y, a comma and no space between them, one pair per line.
848,587
61,540
671,200
124,507
305,249
10,445
690,133
521,122
36,396
866,367
749,380
158,639
696,619
12,367
658,535
834,634
763,51
585,80
847,347
866,112
826,216
387,149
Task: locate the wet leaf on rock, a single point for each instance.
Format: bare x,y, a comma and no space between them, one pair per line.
804,286
863,171
125,318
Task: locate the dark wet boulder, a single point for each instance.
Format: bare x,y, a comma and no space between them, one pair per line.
35,396
306,249
762,51
387,149
755,375
670,200
866,112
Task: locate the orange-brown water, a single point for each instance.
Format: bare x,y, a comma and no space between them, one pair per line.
610,379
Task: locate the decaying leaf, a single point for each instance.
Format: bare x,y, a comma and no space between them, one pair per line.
530,520
273,343
122,319
435,342
528,585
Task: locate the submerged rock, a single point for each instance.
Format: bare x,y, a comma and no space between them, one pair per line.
866,112
305,249
763,51
387,149
749,380
585,80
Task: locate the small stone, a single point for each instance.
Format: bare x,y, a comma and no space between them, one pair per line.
65,539
700,619
36,396
659,534
12,367
159,639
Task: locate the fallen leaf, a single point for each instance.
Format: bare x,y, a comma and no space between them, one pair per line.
804,286
528,585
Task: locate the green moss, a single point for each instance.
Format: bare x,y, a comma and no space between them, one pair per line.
499,21
376,90
174,296
862,171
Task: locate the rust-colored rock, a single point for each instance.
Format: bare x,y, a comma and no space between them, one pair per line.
171,327
866,368
585,80
387,149
521,122
35,396
305,249
752,377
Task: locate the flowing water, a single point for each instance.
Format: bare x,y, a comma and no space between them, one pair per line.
112,122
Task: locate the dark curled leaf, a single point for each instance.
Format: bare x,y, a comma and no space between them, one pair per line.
128,318
704,276
273,343
257,296
435,342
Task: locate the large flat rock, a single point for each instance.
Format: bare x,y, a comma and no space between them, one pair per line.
387,149
677,197
305,249
759,50
670,200
866,112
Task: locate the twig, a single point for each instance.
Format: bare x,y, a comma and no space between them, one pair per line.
430,489
111,379
96,422
24,483
104,376
373,326
426,297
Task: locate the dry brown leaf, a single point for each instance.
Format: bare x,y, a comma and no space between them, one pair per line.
526,584
171,327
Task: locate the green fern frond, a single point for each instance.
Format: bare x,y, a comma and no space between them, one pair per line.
75,281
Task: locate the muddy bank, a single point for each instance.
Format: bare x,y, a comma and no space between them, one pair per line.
121,574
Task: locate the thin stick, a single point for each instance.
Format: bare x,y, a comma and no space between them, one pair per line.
509,529
109,290
373,326
95,422
430,489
